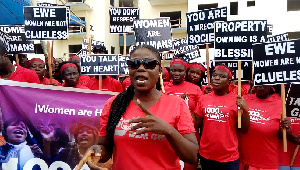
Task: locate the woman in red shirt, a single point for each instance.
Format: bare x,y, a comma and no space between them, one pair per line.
259,146
217,115
142,127
70,72
38,66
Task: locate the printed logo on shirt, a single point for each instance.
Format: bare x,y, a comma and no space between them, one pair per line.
257,116
123,127
214,113
295,121
186,99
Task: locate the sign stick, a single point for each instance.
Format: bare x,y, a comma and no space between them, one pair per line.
49,61
51,57
161,79
294,155
17,59
207,65
283,115
124,45
239,92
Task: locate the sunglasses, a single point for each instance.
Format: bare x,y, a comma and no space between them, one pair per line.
147,63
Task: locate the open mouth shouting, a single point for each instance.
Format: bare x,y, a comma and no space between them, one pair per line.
141,80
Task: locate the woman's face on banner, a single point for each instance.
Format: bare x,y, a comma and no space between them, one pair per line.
85,137
16,132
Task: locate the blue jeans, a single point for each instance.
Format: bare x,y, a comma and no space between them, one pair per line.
208,164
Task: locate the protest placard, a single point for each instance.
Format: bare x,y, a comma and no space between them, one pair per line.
55,115
293,101
17,40
46,23
85,46
100,64
4,40
234,39
276,62
246,69
123,65
154,32
279,37
121,19
181,46
200,25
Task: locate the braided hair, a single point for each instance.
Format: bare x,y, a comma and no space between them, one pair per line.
121,102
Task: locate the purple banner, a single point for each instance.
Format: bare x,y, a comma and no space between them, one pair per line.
51,122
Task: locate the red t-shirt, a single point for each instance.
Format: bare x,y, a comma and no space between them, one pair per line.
194,92
259,146
22,74
286,157
148,151
83,79
79,86
219,139
108,84
46,81
126,83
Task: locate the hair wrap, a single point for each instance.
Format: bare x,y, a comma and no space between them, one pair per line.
33,60
67,65
195,65
166,73
74,56
179,61
225,69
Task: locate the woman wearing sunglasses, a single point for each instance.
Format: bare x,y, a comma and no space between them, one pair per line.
142,127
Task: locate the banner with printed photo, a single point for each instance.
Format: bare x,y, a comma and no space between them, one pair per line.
45,124
276,62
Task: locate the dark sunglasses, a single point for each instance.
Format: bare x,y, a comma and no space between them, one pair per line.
147,63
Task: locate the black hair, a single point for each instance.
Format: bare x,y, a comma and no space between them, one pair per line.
12,120
121,102
101,48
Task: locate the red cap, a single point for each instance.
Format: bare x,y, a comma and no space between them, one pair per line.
196,65
225,69
74,56
33,60
166,73
67,65
179,61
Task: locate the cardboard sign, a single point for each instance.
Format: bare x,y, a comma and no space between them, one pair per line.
4,40
154,32
234,39
279,37
85,46
246,69
123,68
121,19
276,62
18,43
100,64
46,23
293,101
181,47
200,25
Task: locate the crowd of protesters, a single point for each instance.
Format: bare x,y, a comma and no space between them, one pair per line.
198,122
